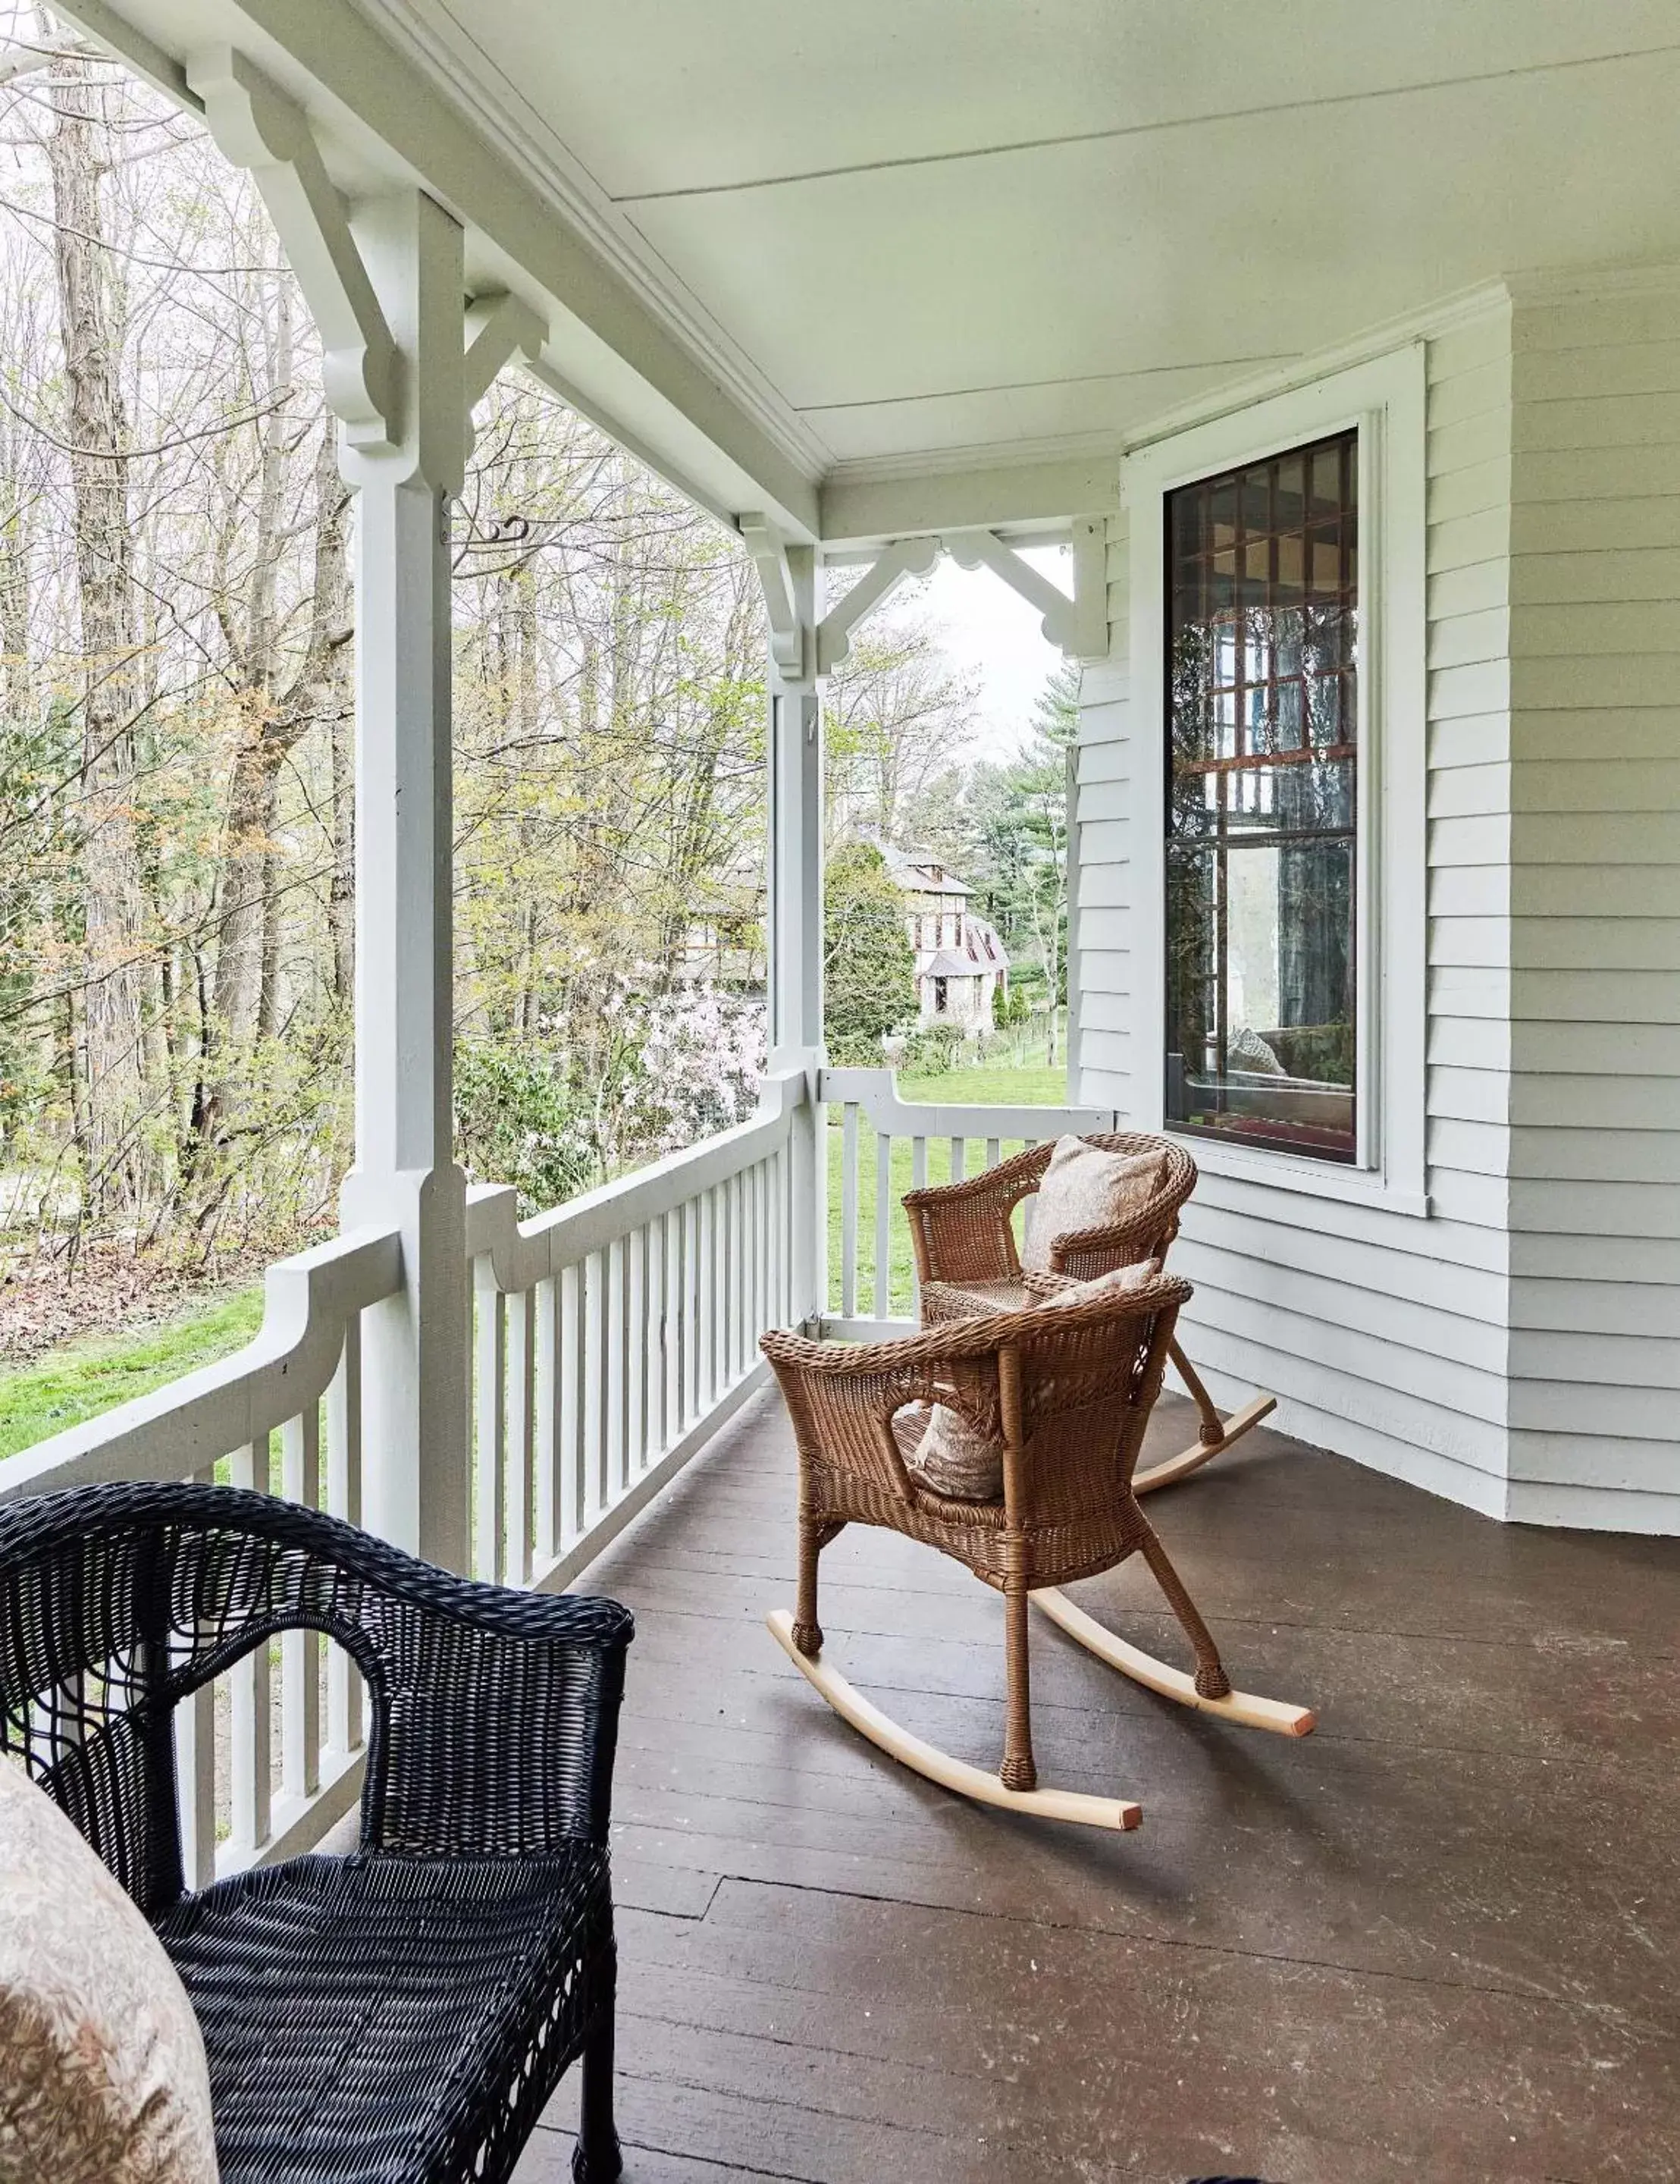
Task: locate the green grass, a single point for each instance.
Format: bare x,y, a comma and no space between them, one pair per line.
82,1378
1031,1087
987,1087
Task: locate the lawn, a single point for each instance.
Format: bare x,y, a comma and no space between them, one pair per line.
83,1378
1028,1087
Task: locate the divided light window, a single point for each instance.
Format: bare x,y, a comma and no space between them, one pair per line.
1261,835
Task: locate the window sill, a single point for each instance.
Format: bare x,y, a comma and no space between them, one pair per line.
1311,1178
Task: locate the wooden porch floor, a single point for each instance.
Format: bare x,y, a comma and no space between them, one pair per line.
1439,1939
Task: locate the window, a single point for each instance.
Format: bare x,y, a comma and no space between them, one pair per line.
1260,692
942,995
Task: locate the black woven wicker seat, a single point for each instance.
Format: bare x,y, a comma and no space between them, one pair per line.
402,2016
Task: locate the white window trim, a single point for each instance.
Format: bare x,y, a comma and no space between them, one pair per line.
1385,399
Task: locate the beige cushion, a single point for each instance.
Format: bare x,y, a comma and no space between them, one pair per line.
953,1458
1121,1279
102,2078
1086,1188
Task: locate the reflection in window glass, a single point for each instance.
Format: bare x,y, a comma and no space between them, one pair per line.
1262,747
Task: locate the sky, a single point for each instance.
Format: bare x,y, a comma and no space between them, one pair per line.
988,628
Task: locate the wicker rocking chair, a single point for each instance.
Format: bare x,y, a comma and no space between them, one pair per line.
1066,1390
966,1262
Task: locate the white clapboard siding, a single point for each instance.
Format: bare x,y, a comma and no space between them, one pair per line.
1521,1348
1595,956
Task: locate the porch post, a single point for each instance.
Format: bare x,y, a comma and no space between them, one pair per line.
795,920
413,1374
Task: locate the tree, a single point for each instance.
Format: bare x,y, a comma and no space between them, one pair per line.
895,717
868,965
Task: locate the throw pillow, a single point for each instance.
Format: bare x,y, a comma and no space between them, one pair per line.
1120,1278
1246,1049
953,1458
1086,1188
102,2077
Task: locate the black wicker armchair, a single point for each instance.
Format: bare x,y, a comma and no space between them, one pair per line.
400,2015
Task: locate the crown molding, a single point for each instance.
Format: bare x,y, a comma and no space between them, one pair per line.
425,33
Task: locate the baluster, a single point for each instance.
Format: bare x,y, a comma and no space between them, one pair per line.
300,1481
993,1151
251,1725
705,1327
636,1355
344,1499
617,1371
545,1523
677,1263
958,1159
918,1182
883,1227
517,1472
659,1325
490,1352
687,1293
849,1211
195,1762
763,1293
594,1387
571,1463
729,1284
777,1303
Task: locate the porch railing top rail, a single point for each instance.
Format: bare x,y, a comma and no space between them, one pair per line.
179,1428
875,1092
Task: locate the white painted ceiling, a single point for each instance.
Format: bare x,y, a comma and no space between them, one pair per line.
1013,226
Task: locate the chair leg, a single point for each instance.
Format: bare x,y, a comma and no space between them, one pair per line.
1017,1771
807,1630
596,2158
1211,1431
1211,1680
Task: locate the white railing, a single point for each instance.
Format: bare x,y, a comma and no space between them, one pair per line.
221,1425
613,1336
608,1339
890,1145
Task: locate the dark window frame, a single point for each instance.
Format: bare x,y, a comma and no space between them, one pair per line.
1248,734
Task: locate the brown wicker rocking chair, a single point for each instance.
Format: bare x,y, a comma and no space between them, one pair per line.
1066,1390
966,1262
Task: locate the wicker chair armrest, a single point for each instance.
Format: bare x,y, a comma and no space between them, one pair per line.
1088,1252
497,1727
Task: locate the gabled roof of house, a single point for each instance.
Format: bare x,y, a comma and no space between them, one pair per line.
919,869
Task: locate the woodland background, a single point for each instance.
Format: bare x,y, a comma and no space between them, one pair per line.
177,758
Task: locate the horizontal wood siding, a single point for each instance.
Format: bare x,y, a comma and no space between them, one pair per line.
1385,1337
1595,933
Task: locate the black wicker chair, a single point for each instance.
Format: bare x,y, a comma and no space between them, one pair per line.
400,2015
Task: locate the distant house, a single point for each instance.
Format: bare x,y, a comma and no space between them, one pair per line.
960,962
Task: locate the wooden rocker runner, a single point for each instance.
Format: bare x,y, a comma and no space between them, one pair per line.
966,1262
1054,1399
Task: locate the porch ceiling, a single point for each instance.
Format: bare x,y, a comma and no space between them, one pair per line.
924,237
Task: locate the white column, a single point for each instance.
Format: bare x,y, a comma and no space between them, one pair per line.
416,1489
795,937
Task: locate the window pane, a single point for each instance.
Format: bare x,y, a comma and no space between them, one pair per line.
1261,806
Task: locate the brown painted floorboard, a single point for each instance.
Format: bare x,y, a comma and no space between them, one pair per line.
1439,1940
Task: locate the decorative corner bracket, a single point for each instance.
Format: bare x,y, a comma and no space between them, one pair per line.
257,127
770,553
498,327
1078,626
972,550
903,558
